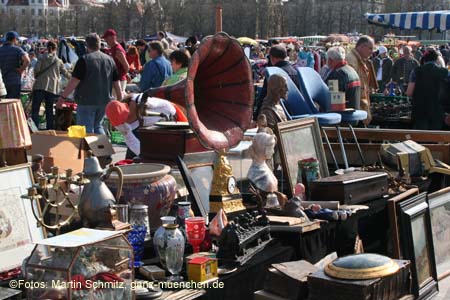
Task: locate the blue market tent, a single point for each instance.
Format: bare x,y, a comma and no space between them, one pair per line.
427,20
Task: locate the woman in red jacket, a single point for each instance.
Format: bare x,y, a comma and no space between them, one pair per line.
134,60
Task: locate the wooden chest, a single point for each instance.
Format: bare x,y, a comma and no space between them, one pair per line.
350,188
393,287
165,145
289,279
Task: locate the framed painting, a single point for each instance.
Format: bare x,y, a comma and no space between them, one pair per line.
439,203
18,226
197,172
297,140
395,252
417,245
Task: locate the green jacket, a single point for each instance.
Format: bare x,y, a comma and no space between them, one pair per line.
175,77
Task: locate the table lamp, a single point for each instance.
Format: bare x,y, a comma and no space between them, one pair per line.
14,133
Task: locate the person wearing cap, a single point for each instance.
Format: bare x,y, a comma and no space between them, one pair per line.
124,117
156,70
13,61
94,76
118,54
277,58
383,67
358,59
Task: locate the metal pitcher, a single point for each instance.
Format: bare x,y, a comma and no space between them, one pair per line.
96,198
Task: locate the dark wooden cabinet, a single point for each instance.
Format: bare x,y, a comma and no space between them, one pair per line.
350,188
165,145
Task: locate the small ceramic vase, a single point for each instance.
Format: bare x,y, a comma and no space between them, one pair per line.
158,238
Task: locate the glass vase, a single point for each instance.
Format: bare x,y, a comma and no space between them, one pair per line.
158,239
136,237
139,217
174,250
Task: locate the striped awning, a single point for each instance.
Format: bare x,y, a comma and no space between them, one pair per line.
439,20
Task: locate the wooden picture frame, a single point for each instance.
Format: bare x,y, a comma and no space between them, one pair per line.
197,171
394,222
18,226
417,245
439,203
299,139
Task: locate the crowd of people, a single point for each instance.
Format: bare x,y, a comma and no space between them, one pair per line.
419,73
101,72
105,67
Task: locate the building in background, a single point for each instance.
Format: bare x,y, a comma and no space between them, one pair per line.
43,17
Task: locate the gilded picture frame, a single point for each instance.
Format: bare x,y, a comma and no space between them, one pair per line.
297,140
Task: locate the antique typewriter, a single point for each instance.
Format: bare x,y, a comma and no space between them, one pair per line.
243,237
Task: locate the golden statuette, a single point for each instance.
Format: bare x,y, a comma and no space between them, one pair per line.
221,175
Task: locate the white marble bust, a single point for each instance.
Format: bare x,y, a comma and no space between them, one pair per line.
259,173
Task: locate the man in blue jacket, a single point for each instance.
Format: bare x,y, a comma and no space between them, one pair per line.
157,69
13,62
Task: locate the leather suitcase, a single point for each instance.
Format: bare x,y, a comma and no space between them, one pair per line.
350,188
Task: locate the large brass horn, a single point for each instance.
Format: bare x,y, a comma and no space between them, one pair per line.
217,94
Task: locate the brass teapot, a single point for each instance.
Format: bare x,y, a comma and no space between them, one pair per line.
96,198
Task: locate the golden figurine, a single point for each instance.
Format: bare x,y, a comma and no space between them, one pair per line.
224,192
221,176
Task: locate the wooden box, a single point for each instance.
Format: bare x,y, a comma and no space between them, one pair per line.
289,280
350,188
393,287
165,145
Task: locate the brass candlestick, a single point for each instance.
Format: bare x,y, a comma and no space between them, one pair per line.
55,184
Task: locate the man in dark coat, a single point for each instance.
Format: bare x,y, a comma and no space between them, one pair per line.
348,79
277,57
427,110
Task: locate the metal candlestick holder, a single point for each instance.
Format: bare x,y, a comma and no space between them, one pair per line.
47,192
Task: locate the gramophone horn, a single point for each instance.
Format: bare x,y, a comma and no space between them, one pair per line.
217,94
